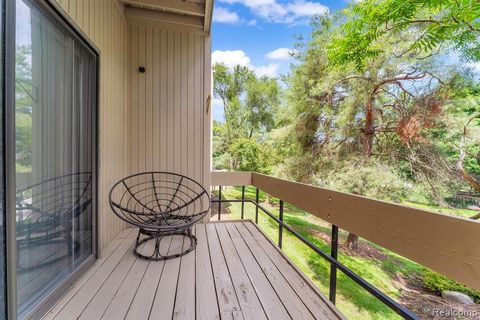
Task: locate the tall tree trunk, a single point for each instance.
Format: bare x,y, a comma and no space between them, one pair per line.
369,129
368,133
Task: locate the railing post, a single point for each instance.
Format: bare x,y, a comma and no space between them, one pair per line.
219,202
333,267
257,198
243,201
280,227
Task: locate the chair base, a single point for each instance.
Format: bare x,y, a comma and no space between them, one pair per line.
158,236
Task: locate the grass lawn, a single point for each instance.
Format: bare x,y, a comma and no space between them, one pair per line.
352,300
464,213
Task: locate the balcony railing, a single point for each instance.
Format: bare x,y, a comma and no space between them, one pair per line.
446,244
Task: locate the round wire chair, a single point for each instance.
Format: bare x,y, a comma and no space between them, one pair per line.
161,205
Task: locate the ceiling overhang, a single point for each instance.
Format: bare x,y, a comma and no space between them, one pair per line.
193,13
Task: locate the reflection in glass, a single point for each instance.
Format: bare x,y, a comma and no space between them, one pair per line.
54,161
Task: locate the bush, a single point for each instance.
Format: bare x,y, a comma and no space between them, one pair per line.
438,283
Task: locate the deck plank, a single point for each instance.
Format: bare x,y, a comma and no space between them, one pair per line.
81,299
106,253
142,302
292,302
206,307
118,307
104,296
248,299
316,302
185,297
226,297
271,303
236,272
167,287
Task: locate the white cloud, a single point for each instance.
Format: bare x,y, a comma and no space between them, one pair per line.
288,13
223,15
306,8
231,58
269,70
280,54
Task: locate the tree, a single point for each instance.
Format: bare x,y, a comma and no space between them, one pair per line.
249,155
250,105
229,86
437,24
385,111
262,100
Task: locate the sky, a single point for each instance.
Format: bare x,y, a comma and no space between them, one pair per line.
260,34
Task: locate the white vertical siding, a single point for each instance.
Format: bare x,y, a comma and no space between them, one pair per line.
167,102
103,22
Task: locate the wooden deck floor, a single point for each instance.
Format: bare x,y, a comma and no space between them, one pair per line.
234,273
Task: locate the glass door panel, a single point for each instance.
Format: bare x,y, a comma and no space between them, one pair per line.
54,125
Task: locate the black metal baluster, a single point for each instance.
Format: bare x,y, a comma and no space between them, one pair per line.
257,196
333,267
280,226
219,201
243,201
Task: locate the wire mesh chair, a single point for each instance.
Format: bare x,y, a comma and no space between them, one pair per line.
161,205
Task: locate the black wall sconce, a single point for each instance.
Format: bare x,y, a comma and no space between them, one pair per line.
141,69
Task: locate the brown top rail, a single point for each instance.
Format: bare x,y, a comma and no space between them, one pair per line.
444,243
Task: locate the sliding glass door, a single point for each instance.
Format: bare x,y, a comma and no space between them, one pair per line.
55,150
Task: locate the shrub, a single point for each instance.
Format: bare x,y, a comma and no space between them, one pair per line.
438,283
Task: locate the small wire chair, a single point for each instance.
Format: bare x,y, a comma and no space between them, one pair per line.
161,205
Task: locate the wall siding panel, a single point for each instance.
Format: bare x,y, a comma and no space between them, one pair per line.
147,121
167,101
104,24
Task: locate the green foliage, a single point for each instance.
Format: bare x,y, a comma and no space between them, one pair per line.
369,179
23,105
249,155
262,100
431,24
23,136
438,283
251,106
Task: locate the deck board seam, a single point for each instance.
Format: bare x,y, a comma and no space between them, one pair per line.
325,302
276,268
126,276
246,272
264,275
178,279
158,283
211,267
228,269
97,268
136,290
118,288
105,280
